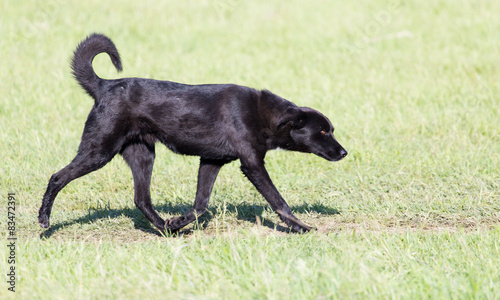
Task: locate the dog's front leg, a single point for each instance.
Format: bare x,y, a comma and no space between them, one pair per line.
257,174
209,169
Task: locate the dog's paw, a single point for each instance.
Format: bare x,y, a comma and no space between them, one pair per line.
293,223
173,225
301,229
44,222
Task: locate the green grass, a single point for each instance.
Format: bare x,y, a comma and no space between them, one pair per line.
412,212
250,265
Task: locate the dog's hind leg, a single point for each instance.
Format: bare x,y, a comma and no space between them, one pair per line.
209,169
91,157
140,158
255,171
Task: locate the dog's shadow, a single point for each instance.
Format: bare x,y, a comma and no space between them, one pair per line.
244,211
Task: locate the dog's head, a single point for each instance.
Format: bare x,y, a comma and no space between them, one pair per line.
310,131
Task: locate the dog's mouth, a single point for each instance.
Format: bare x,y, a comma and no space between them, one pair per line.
331,156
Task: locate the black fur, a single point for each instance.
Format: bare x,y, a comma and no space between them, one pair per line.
218,122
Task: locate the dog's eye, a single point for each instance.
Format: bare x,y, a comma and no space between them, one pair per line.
323,132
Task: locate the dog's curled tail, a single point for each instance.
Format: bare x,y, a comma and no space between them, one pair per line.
82,61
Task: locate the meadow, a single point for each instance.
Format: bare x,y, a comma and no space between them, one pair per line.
413,212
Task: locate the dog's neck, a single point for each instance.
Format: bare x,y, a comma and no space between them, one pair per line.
271,108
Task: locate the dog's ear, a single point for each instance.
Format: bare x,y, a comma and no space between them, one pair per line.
293,116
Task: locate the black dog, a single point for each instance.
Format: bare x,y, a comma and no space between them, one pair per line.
218,122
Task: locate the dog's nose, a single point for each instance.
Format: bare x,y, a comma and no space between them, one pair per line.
343,153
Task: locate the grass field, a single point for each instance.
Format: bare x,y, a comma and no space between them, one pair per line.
413,212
